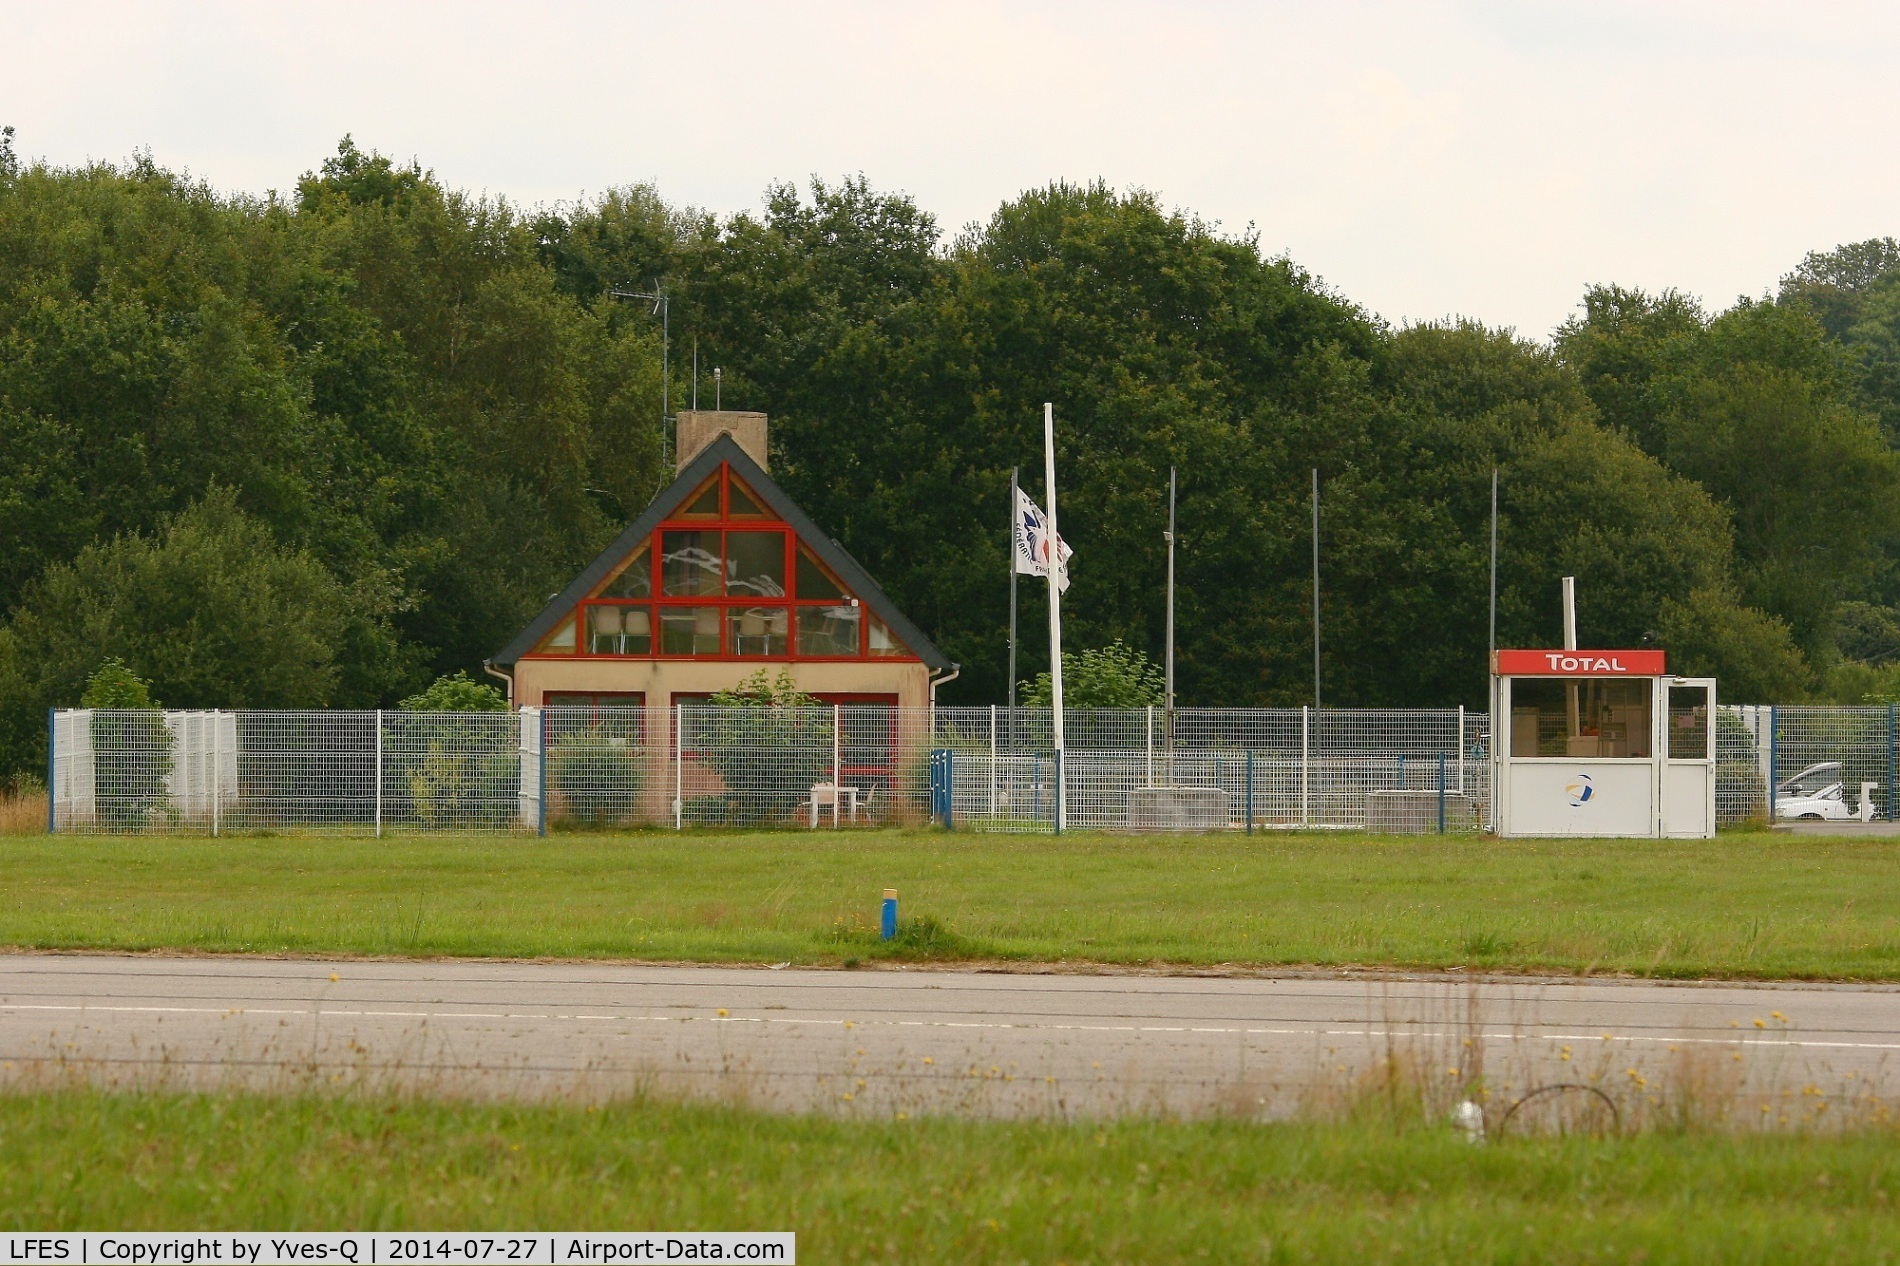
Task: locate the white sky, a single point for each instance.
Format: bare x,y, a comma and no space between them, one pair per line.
1424,158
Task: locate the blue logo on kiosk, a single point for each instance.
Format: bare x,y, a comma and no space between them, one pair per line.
1580,789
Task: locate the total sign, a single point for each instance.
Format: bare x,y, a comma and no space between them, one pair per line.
1578,663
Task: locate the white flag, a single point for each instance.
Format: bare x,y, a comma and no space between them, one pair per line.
1032,542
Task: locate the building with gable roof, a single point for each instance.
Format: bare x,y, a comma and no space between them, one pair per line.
722,575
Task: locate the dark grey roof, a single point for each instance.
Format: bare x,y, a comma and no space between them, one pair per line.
724,449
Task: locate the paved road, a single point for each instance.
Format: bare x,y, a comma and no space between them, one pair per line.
916,1040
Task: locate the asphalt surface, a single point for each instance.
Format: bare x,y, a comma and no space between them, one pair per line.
981,1043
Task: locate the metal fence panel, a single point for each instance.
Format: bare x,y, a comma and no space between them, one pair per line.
596,767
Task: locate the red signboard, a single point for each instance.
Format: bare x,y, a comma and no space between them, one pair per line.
1579,664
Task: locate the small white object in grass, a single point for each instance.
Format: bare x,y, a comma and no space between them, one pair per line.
1469,1117
780,966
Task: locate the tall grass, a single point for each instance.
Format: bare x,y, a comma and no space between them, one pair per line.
23,814
1374,1189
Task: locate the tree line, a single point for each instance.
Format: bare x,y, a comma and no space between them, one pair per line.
313,448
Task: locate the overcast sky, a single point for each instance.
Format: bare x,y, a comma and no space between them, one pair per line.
1424,158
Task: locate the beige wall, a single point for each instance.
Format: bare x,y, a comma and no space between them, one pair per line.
661,679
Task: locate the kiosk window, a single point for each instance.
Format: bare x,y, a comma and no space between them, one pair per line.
1688,722
1586,717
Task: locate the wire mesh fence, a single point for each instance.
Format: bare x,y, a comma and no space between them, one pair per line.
835,766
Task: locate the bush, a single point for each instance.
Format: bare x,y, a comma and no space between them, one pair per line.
599,775
131,748
456,693
770,742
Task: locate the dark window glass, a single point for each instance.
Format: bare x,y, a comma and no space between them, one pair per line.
1579,718
703,504
741,504
813,580
689,630
757,630
689,564
635,579
755,564
828,630
1689,722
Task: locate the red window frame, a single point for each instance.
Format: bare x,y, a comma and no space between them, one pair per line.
658,601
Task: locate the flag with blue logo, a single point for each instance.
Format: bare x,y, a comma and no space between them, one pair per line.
1032,543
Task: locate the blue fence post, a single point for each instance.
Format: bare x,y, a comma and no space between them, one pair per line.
52,769
887,916
1890,762
541,773
1250,791
1441,793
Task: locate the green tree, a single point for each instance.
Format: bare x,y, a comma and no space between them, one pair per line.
456,692
1113,676
113,685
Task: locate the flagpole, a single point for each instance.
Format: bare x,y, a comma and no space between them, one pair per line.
1014,471
1055,605
1316,589
1168,694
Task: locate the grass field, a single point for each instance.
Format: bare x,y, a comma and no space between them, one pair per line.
1375,1189
1747,905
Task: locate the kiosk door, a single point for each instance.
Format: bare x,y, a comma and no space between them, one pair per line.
1688,766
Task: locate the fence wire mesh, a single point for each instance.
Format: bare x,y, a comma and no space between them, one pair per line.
835,766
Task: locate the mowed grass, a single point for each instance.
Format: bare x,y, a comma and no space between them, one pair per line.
1746,905
947,1190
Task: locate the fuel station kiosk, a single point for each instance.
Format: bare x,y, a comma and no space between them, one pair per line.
1600,743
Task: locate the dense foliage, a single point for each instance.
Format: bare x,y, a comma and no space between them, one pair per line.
317,448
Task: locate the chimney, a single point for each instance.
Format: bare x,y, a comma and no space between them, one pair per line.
699,427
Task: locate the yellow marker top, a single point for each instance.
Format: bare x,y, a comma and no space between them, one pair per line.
890,894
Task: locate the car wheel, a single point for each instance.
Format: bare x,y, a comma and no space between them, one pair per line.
1811,817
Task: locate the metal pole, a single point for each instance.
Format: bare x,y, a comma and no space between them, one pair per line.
1316,587
1771,764
679,772
1890,760
217,766
1250,791
1492,646
992,761
1306,766
837,764
1014,529
1055,601
1572,712
1441,793
1168,693
541,771
1461,748
379,773
1151,745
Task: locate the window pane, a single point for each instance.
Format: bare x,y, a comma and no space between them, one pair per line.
616,630
689,630
1689,722
703,504
689,564
813,580
827,630
757,630
561,639
635,579
755,564
742,504
1580,718
883,641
